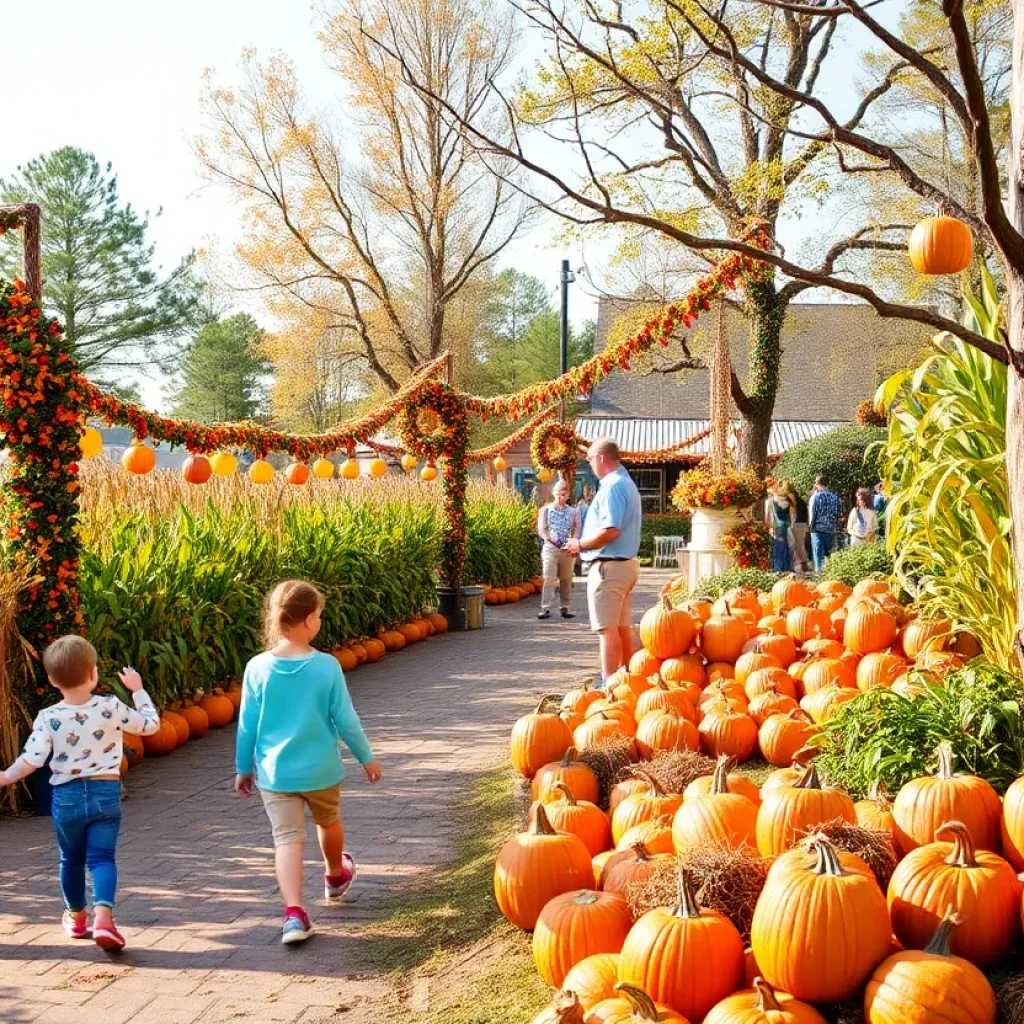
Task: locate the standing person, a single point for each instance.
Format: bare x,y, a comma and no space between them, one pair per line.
824,511
862,523
779,517
84,734
581,520
295,708
878,503
799,529
609,546
556,524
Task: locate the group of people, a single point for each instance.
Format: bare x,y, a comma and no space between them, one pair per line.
809,529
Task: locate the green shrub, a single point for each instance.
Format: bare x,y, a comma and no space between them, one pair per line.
857,562
883,736
670,524
715,586
847,457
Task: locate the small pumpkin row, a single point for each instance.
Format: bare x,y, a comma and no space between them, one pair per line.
183,721
370,649
515,592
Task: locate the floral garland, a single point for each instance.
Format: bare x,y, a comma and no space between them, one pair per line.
432,421
582,379
555,446
750,544
701,488
668,454
42,407
507,443
10,220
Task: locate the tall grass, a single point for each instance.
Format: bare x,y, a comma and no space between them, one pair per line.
949,518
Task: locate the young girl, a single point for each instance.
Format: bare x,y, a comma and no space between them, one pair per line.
295,707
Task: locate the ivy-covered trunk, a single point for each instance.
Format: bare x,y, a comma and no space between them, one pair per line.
756,403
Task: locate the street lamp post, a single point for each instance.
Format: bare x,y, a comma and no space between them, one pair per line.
567,278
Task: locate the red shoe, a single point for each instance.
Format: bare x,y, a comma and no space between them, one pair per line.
108,938
76,924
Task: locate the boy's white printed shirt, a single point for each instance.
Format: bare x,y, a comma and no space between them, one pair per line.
85,739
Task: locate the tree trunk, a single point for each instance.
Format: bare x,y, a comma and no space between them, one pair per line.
1015,326
752,449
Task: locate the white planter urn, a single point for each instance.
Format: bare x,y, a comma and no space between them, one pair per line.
705,554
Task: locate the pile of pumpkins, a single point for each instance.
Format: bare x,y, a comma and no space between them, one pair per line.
183,721
358,652
823,929
513,593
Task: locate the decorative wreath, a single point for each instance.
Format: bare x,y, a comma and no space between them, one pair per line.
433,421
554,447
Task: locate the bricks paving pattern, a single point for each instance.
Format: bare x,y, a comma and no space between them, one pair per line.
197,898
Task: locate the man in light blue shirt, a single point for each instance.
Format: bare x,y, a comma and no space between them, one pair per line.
609,547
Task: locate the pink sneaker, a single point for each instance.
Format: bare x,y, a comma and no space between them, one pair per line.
108,938
76,924
335,891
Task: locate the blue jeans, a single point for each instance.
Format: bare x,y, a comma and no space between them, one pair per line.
87,818
822,545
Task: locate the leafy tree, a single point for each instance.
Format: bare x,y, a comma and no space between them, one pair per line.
99,277
223,370
848,458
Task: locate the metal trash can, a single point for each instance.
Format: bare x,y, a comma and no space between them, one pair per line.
464,608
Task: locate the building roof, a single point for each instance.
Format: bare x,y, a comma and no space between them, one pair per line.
642,434
834,356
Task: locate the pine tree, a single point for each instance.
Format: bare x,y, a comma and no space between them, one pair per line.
99,277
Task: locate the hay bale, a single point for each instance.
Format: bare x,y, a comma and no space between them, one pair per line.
849,1011
1010,1000
607,760
875,848
724,879
674,770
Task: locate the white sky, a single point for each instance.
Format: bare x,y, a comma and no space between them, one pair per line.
121,79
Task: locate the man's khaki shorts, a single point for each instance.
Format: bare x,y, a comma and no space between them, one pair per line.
287,812
610,593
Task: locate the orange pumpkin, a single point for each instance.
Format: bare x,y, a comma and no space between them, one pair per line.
134,749
778,645
822,672
575,925
580,818
219,710
823,704
925,804
643,663
788,813
198,720
761,1004
581,697
624,788
931,985
723,637
161,742
196,469
438,621
880,668
631,866
689,668
742,598
982,884
728,732
876,811
667,729
754,661
570,771
643,804
297,473
812,905
773,624
782,736
720,816
699,608
807,623
770,680
717,671
139,458
918,634
656,836
346,659
940,245
593,979
537,865
791,592
869,627
538,738
633,1006
179,723
765,705
735,782
667,954
661,698
666,631
1012,824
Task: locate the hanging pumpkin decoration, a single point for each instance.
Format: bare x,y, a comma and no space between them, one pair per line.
196,469
261,472
378,467
409,462
139,458
500,465
91,443
545,475
428,472
323,469
349,469
297,473
223,463
941,245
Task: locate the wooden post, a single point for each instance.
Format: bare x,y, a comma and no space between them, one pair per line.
31,217
720,380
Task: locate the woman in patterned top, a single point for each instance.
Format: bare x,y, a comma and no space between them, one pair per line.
556,523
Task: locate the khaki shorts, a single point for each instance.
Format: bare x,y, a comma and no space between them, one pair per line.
610,594
287,812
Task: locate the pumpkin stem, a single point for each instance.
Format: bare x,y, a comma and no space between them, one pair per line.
641,851
650,780
666,604
720,776
828,859
879,794
945,755
569,756
728,610
544,701
567,1007
566,792
939,944
766,997
810,779
687,906
962,854
804,755
539,823
642,1004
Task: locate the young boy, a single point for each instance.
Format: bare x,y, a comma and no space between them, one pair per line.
83,733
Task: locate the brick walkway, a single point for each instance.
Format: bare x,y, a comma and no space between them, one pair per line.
197,899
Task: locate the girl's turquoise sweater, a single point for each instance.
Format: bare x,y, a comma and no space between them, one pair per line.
294,711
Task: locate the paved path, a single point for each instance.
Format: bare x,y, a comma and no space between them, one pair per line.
197,899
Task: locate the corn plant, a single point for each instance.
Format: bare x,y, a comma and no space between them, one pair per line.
948,521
